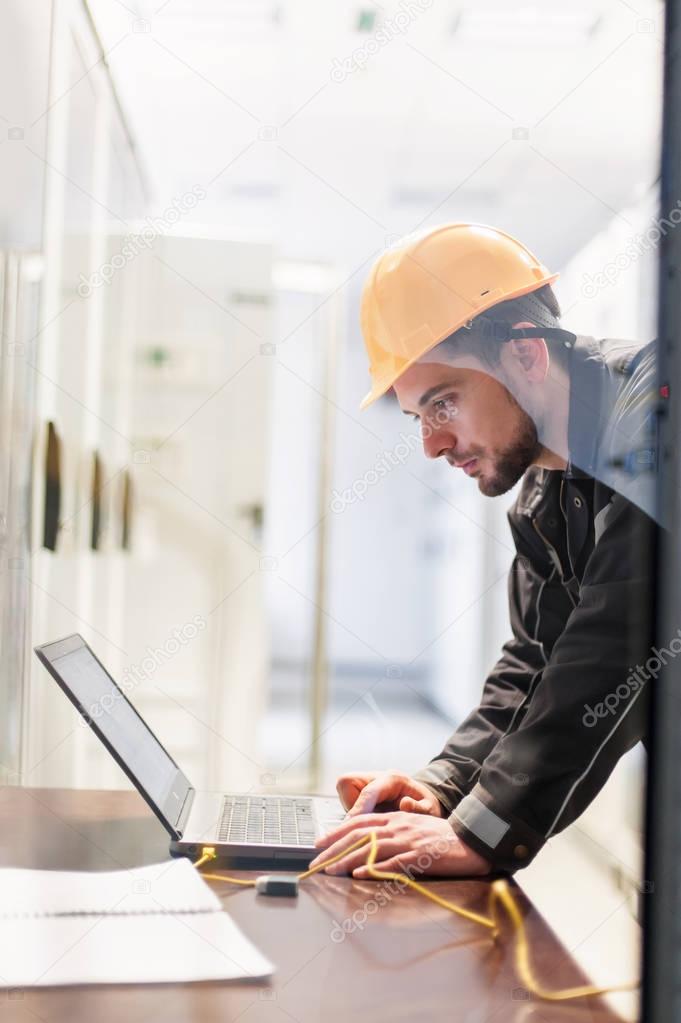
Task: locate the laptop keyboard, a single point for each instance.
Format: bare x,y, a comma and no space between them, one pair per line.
273,820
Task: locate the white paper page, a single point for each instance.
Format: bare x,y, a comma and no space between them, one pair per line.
173,886
126,950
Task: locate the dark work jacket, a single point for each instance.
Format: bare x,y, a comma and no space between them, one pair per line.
565,700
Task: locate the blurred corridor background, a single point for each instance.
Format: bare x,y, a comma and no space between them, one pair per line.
192,194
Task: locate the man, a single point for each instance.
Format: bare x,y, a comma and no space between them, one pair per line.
463,326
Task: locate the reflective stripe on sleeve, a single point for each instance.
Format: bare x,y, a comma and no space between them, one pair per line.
483,822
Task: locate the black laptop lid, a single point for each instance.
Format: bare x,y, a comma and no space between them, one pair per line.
115,721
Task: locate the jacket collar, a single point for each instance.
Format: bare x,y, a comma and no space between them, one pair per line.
589,406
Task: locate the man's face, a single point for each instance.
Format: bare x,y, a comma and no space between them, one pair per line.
471,420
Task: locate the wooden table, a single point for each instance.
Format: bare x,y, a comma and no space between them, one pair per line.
407,960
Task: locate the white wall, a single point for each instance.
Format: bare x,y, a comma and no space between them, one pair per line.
609,287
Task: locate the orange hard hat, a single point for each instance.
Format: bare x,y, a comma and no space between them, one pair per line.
421,291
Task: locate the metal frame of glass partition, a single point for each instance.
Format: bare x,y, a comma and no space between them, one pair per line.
661,886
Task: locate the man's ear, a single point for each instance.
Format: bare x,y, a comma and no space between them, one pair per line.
531,355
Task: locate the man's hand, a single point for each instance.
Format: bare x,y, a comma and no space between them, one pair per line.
362,793
406,841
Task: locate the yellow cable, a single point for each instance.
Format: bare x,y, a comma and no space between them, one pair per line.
232,880
334,859
381,875
208,853
500,894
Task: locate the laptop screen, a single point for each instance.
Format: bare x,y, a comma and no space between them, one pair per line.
109,712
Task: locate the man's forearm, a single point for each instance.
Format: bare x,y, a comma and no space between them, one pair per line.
454,772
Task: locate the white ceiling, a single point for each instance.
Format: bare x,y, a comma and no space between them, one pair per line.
543,120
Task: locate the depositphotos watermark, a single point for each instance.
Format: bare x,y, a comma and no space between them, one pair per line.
142,672
386,892
384,464
633,250
134,243
389,460
633,683
389,29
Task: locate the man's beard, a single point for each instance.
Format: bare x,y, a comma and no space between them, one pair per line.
513,461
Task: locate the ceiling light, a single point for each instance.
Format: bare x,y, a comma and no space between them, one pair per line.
529,25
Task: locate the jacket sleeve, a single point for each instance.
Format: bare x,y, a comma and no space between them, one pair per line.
589,705
538,608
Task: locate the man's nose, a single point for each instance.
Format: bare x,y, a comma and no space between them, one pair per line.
436,441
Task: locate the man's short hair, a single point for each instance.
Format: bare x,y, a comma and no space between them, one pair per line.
540,307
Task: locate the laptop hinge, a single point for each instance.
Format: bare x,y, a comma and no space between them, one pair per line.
184,812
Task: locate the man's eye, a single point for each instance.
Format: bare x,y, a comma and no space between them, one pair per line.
447,404
414,416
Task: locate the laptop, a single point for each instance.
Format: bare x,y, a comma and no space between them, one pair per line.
241,827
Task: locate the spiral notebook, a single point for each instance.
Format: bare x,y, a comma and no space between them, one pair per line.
150,925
